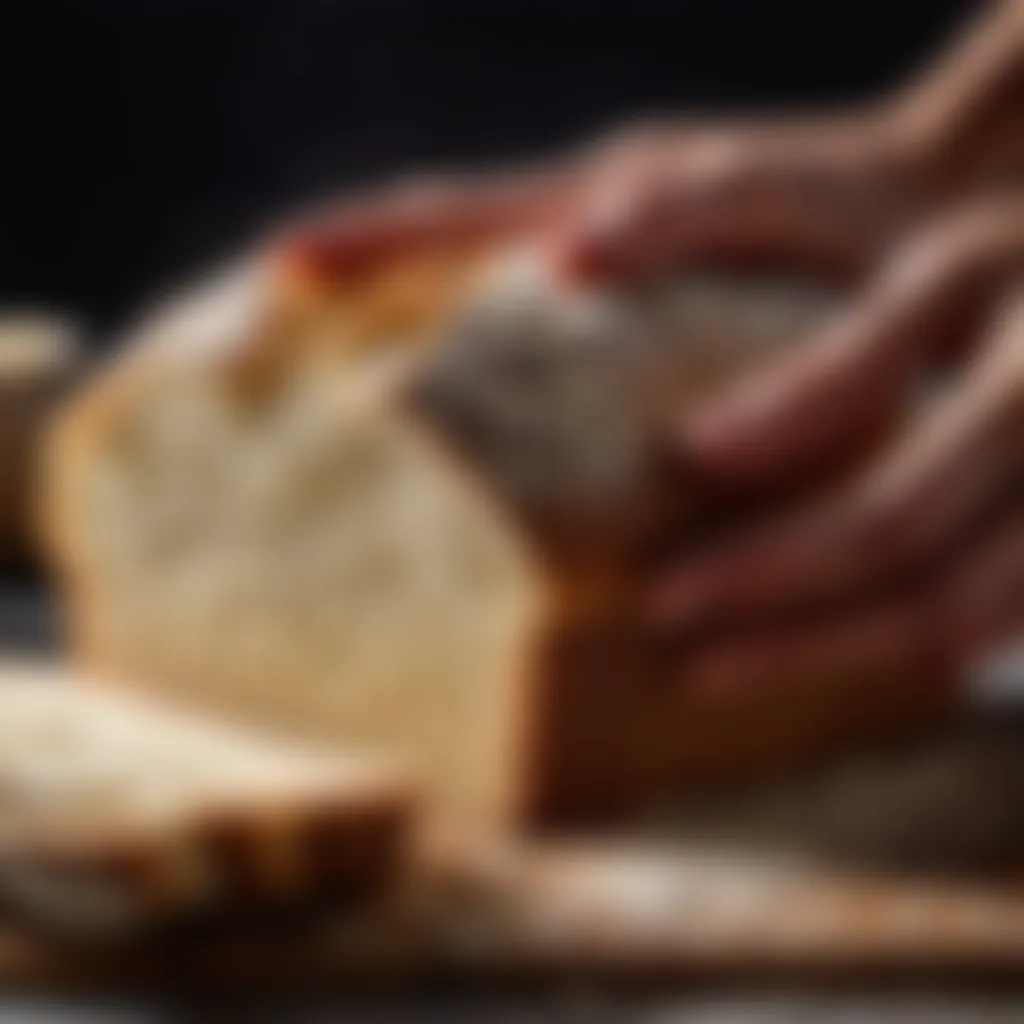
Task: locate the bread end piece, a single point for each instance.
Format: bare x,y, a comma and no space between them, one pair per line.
122,814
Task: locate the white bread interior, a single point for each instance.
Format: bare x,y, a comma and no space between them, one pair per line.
306,559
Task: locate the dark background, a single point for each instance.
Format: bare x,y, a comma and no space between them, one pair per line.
149,137
144,138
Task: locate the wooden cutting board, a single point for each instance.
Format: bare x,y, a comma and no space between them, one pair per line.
556,912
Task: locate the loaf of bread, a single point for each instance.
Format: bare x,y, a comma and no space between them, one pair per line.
407,510
118,814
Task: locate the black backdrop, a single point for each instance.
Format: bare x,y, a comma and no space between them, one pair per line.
144,138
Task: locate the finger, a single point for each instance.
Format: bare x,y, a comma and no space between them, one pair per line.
640,210
840,386
893,642
898,515
365,232
729,195
832,392
984,601
936,631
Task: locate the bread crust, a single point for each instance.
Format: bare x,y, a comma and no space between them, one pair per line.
226,846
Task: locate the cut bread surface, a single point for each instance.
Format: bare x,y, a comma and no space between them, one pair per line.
339,578
307,558
118,812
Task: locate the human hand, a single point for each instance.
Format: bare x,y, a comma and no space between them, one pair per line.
832,192
648,199
841,189
917,563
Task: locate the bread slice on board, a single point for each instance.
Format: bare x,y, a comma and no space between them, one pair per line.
117,814
409,510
